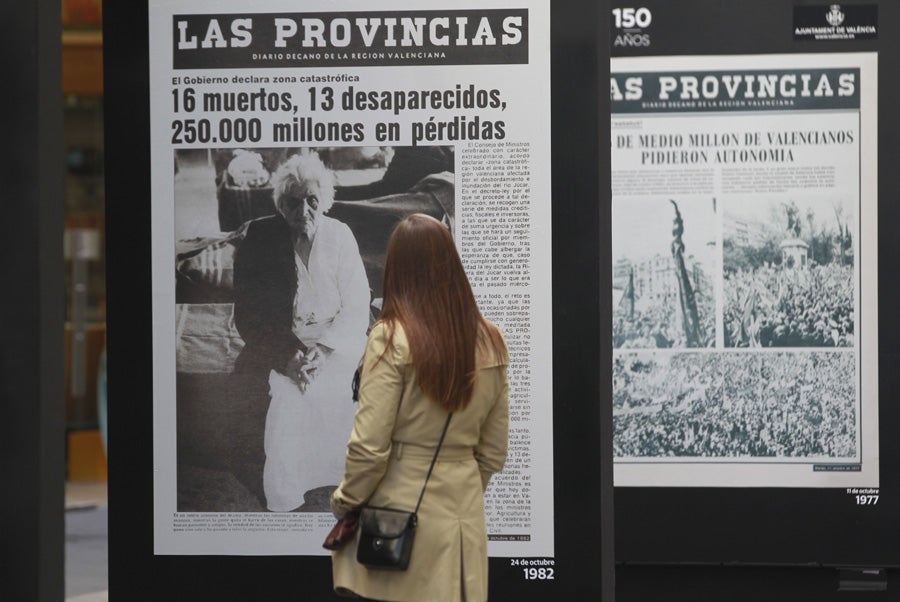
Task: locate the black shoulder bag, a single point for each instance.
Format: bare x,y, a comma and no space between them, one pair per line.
386,535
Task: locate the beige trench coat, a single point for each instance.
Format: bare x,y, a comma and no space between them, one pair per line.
395,433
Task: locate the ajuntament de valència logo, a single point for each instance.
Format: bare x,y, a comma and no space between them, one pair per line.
835,17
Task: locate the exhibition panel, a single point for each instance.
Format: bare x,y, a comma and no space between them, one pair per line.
483,117
755,343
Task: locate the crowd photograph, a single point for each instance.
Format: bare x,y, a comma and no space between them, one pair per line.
789,274
735,406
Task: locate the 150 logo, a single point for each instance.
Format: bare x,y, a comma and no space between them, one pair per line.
630,23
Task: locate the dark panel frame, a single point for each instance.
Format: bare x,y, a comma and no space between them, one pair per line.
32,452
582,413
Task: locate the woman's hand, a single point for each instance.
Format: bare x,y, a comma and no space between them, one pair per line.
303,367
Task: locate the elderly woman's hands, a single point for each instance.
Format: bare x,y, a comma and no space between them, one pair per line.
304,366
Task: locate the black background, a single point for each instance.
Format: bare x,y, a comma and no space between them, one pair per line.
582,426
674,543
733,535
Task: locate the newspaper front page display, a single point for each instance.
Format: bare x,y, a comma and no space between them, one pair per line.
744,271
410,108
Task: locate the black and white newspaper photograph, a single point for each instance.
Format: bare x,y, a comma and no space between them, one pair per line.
250,438
286,147
761,406
744,270
665,257
788,269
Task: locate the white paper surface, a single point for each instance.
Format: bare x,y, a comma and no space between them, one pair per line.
754,365
360,87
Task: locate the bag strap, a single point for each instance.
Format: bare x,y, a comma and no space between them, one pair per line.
433,460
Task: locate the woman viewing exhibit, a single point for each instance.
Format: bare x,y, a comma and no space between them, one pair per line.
302,309
430,355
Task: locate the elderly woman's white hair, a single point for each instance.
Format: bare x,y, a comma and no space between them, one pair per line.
297,170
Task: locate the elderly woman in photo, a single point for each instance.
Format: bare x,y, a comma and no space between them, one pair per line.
302,308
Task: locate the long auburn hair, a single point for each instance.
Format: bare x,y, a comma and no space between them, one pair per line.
426,291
